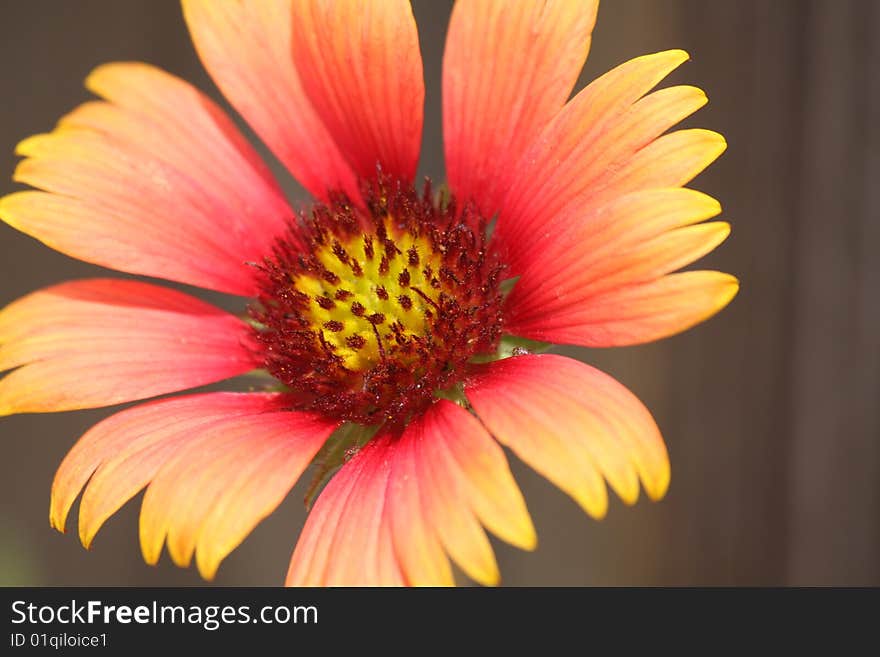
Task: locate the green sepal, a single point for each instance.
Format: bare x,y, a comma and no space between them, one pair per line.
506,286
341,446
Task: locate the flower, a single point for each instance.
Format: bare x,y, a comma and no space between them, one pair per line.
401,327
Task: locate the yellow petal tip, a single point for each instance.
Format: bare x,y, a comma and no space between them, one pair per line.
729,290
716,144
628,496
528,541
94,75
87,532
596,513
675,54
28,145
150,553
93,81
207,566
593,501
657,494
179,555
208,573
57,523
657,489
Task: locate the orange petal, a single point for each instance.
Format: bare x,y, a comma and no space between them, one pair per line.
635,239
574,425
360,65
600,236
594,135
483,470
99,342
158,181
362,551
416,542
383,493
312,553
653,258
121,454
672,160
584,174
252,497
446,502
387,493
635,314
342,540
508,69
246,47
216,487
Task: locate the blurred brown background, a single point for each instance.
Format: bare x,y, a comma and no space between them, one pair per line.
769,410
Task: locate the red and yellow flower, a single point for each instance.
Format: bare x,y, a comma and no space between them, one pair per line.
399,325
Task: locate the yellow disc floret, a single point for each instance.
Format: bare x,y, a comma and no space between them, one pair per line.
368,311
379,297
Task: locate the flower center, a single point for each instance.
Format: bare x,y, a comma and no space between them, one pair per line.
369,313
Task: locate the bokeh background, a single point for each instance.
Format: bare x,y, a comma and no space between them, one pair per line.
770,410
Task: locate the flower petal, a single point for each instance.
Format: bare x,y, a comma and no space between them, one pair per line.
360,65
574,425
309,561
445,496
384,486
634,239
634,314
672,160
596,134
626,222
416,543
494,495
216,486
342,541
508,69
246,48
98,342
359,555
121,454
157,181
